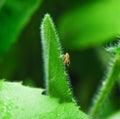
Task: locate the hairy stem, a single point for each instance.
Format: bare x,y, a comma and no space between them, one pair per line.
106,88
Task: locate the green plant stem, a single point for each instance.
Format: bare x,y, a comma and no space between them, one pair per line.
106,88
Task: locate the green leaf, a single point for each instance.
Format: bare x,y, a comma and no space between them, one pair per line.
57,81
90,25
114,49
20,102
115,116
13,17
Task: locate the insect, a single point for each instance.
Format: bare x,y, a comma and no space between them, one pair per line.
66,58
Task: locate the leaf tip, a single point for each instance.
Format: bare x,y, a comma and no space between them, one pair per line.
47,15
46,18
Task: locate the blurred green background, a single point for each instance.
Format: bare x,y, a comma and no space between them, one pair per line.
85,29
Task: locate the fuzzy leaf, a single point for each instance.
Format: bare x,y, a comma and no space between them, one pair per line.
115,116
57,82
13,17
20,102
90,25
114,49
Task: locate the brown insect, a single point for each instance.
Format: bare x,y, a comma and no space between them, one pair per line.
66,58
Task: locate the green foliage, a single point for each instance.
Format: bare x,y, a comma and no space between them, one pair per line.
13,18
90,25
85,27
115,116
114,49
17,100
55,74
